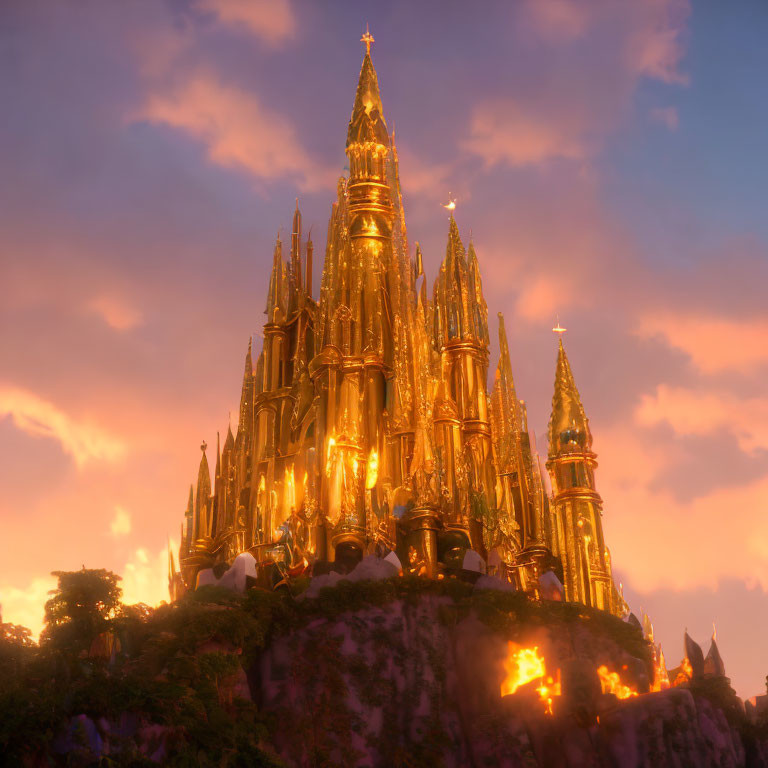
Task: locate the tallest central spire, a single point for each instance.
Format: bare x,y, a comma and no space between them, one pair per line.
367,121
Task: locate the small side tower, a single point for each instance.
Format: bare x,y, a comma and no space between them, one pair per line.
519,535
462,426
577,528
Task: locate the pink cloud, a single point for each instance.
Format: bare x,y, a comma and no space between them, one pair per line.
694,412
666,116
237,130
714,344
116,312
84,441
655,46
557,19
271,20
661,542
514,133
569,116
543,298
420,176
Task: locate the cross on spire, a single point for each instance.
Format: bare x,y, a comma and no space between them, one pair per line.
558,328
367,38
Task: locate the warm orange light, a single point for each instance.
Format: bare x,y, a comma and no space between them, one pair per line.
372,470
550,688
290,489
610,682
329,449
524,665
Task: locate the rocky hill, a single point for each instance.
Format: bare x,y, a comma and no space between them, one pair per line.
392,672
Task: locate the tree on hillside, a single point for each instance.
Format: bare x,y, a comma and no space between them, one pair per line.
15,647
81,607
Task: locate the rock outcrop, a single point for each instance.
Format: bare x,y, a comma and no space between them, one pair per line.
378,670
417,683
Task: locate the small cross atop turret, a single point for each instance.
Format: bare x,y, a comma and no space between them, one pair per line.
367,38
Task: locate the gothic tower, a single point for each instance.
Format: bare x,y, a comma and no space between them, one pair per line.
353,372
462,427
576,521
520,495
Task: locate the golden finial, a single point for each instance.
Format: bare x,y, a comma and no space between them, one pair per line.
559,328
203,446
451,204
367,38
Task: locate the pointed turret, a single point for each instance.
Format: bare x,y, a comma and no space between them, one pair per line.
568,424
505,408
217,473
454,251
367,121
173,576
461,311
295,276
577,527
203,498
189,524
246,398
229,442
308,272
480,308
694,654
368,150
451,289
518,478
713,663
276,297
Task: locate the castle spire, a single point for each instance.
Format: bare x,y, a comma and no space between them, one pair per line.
577,527
189,523
480,308
229,442
367,112
308,266
203,498
568,423
276,303
295,273
508,410
246,395
453,319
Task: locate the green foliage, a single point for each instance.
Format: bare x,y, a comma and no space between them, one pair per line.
15,641
80,607
175,666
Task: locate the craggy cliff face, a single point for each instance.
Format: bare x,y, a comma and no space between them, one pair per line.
421,683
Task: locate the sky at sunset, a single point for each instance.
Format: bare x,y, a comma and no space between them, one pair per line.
609,158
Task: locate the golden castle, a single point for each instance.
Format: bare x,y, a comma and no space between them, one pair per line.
365,425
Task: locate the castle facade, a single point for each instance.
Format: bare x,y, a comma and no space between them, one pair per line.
365,424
